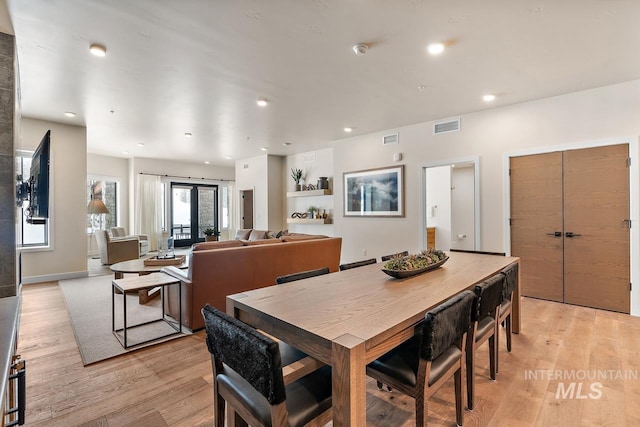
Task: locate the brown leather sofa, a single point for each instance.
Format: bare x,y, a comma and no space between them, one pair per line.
215,273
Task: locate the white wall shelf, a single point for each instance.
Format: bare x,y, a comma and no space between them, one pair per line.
308,221
309,193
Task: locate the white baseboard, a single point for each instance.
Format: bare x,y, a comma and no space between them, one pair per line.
54,277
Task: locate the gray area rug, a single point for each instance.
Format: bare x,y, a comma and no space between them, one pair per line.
88,301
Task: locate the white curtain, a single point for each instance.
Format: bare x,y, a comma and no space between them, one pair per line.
148,209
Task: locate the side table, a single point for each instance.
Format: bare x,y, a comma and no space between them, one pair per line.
143,283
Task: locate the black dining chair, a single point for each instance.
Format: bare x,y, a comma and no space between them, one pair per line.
504,317
398,255
357,264
484,328
420,366
247,377
301,275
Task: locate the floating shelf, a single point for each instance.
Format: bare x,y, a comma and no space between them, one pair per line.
309,193
308,221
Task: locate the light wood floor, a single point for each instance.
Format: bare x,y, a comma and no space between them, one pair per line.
170,384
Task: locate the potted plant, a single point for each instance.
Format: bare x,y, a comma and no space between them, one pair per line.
211,234
296,174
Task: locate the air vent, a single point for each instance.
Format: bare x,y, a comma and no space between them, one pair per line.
448,126
309,157
390,139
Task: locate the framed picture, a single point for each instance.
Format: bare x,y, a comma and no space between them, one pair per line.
374,192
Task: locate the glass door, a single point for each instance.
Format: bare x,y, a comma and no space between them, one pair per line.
194,208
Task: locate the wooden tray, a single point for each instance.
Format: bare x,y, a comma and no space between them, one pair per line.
179,259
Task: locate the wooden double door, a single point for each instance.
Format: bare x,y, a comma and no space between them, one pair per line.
570,225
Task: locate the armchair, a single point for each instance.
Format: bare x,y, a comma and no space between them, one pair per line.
116,250
120,232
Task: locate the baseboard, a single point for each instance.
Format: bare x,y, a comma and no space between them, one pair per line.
54,277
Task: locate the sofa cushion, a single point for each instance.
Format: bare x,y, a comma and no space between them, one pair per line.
260,242
243,233
258,234
216,245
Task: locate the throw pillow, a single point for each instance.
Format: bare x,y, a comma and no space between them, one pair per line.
243,234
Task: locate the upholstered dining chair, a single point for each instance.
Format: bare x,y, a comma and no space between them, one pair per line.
420,366
398,255
509,286
301,275
247,378
357,264
484,328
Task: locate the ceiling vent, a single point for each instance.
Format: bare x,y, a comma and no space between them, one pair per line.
448,126
390,139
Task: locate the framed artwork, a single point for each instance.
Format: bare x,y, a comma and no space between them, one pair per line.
374,192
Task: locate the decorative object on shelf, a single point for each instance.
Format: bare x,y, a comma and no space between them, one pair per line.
299,215
308,187
312,212
411,265
323,183
296,174
211,234
374,192
324,214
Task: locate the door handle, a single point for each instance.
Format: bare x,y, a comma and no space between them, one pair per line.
570,234
555,233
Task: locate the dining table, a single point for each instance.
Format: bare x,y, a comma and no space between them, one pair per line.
349,318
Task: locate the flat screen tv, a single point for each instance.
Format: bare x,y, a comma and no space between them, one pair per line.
36,188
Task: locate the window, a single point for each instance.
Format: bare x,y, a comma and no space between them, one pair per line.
31,235
107,192
225,215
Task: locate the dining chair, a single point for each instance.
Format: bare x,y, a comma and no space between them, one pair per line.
248,380
420,366
484,328
301,275
398,255
504,317
357,264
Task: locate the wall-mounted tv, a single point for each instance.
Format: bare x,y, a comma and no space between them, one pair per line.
36,188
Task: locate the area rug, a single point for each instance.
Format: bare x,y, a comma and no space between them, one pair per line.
88,301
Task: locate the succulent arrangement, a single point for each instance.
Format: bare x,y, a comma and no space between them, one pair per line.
414,262
211,231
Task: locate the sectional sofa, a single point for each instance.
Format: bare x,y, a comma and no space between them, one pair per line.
218,269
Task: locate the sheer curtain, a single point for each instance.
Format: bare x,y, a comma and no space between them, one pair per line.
148,209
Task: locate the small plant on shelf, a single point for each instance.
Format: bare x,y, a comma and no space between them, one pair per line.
296,174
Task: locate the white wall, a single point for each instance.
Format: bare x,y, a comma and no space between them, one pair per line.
595,114
68,191
462,214
438,204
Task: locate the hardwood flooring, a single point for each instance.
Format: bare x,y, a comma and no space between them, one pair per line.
170,384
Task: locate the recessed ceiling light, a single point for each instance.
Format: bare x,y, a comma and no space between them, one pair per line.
488,97
187,134
70,114
98,49
360,49
227,157
262,102
125,152
286,144
435,48
264,148
140,144
207,162
348,129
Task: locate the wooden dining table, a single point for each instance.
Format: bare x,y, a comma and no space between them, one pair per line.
349,318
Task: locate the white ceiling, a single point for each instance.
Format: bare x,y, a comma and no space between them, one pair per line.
199,66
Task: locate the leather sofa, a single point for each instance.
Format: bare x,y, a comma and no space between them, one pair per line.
215,273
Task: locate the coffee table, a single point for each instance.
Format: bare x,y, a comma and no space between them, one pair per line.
136,266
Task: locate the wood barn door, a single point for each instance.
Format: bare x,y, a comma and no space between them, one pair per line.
569,224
